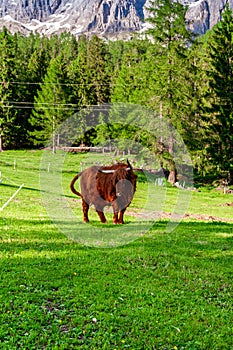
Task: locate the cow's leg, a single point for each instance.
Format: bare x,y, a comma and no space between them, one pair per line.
115,212
85,211
115,217
101,215
121,216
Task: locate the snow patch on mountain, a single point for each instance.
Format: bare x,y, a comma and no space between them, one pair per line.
105,17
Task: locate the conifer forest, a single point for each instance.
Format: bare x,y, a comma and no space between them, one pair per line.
167,69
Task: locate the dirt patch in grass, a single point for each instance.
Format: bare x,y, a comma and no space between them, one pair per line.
229,204
168,215
205,217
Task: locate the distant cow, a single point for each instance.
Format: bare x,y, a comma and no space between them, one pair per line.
107,185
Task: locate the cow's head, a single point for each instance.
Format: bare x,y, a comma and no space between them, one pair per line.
123,178
112,171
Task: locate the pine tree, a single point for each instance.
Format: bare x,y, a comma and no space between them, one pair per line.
31,63
130,85
90,83
116,50
193,125
52,103
170,46
97,62
8,78
220,98
68,46
171,40
123,84
79,77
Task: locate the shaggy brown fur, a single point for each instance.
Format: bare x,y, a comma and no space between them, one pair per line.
113,185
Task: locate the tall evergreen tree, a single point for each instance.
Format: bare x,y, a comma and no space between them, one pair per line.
131,83
170,46
220,98
124,82
171,40
52,103
116,50
90,82
79,77
32,60
68,46
193,125
97,62
8,77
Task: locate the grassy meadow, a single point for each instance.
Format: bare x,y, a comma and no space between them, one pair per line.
169,287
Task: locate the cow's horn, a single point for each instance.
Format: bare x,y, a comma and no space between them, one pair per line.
130,166
106,171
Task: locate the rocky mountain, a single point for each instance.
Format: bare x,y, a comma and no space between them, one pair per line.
103,17
204,14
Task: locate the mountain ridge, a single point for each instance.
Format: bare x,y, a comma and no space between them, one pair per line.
102,17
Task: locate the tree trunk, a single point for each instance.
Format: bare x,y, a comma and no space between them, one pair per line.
172,178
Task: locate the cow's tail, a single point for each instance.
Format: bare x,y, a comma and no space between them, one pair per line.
72,185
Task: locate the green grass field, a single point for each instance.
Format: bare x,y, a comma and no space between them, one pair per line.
166,289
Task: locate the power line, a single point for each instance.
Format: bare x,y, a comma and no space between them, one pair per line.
20,107
57,84
36,103
43,105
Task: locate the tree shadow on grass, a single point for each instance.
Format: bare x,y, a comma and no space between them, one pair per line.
23,188
159,281
43,234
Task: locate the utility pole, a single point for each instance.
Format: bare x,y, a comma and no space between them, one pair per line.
54,134
54,137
